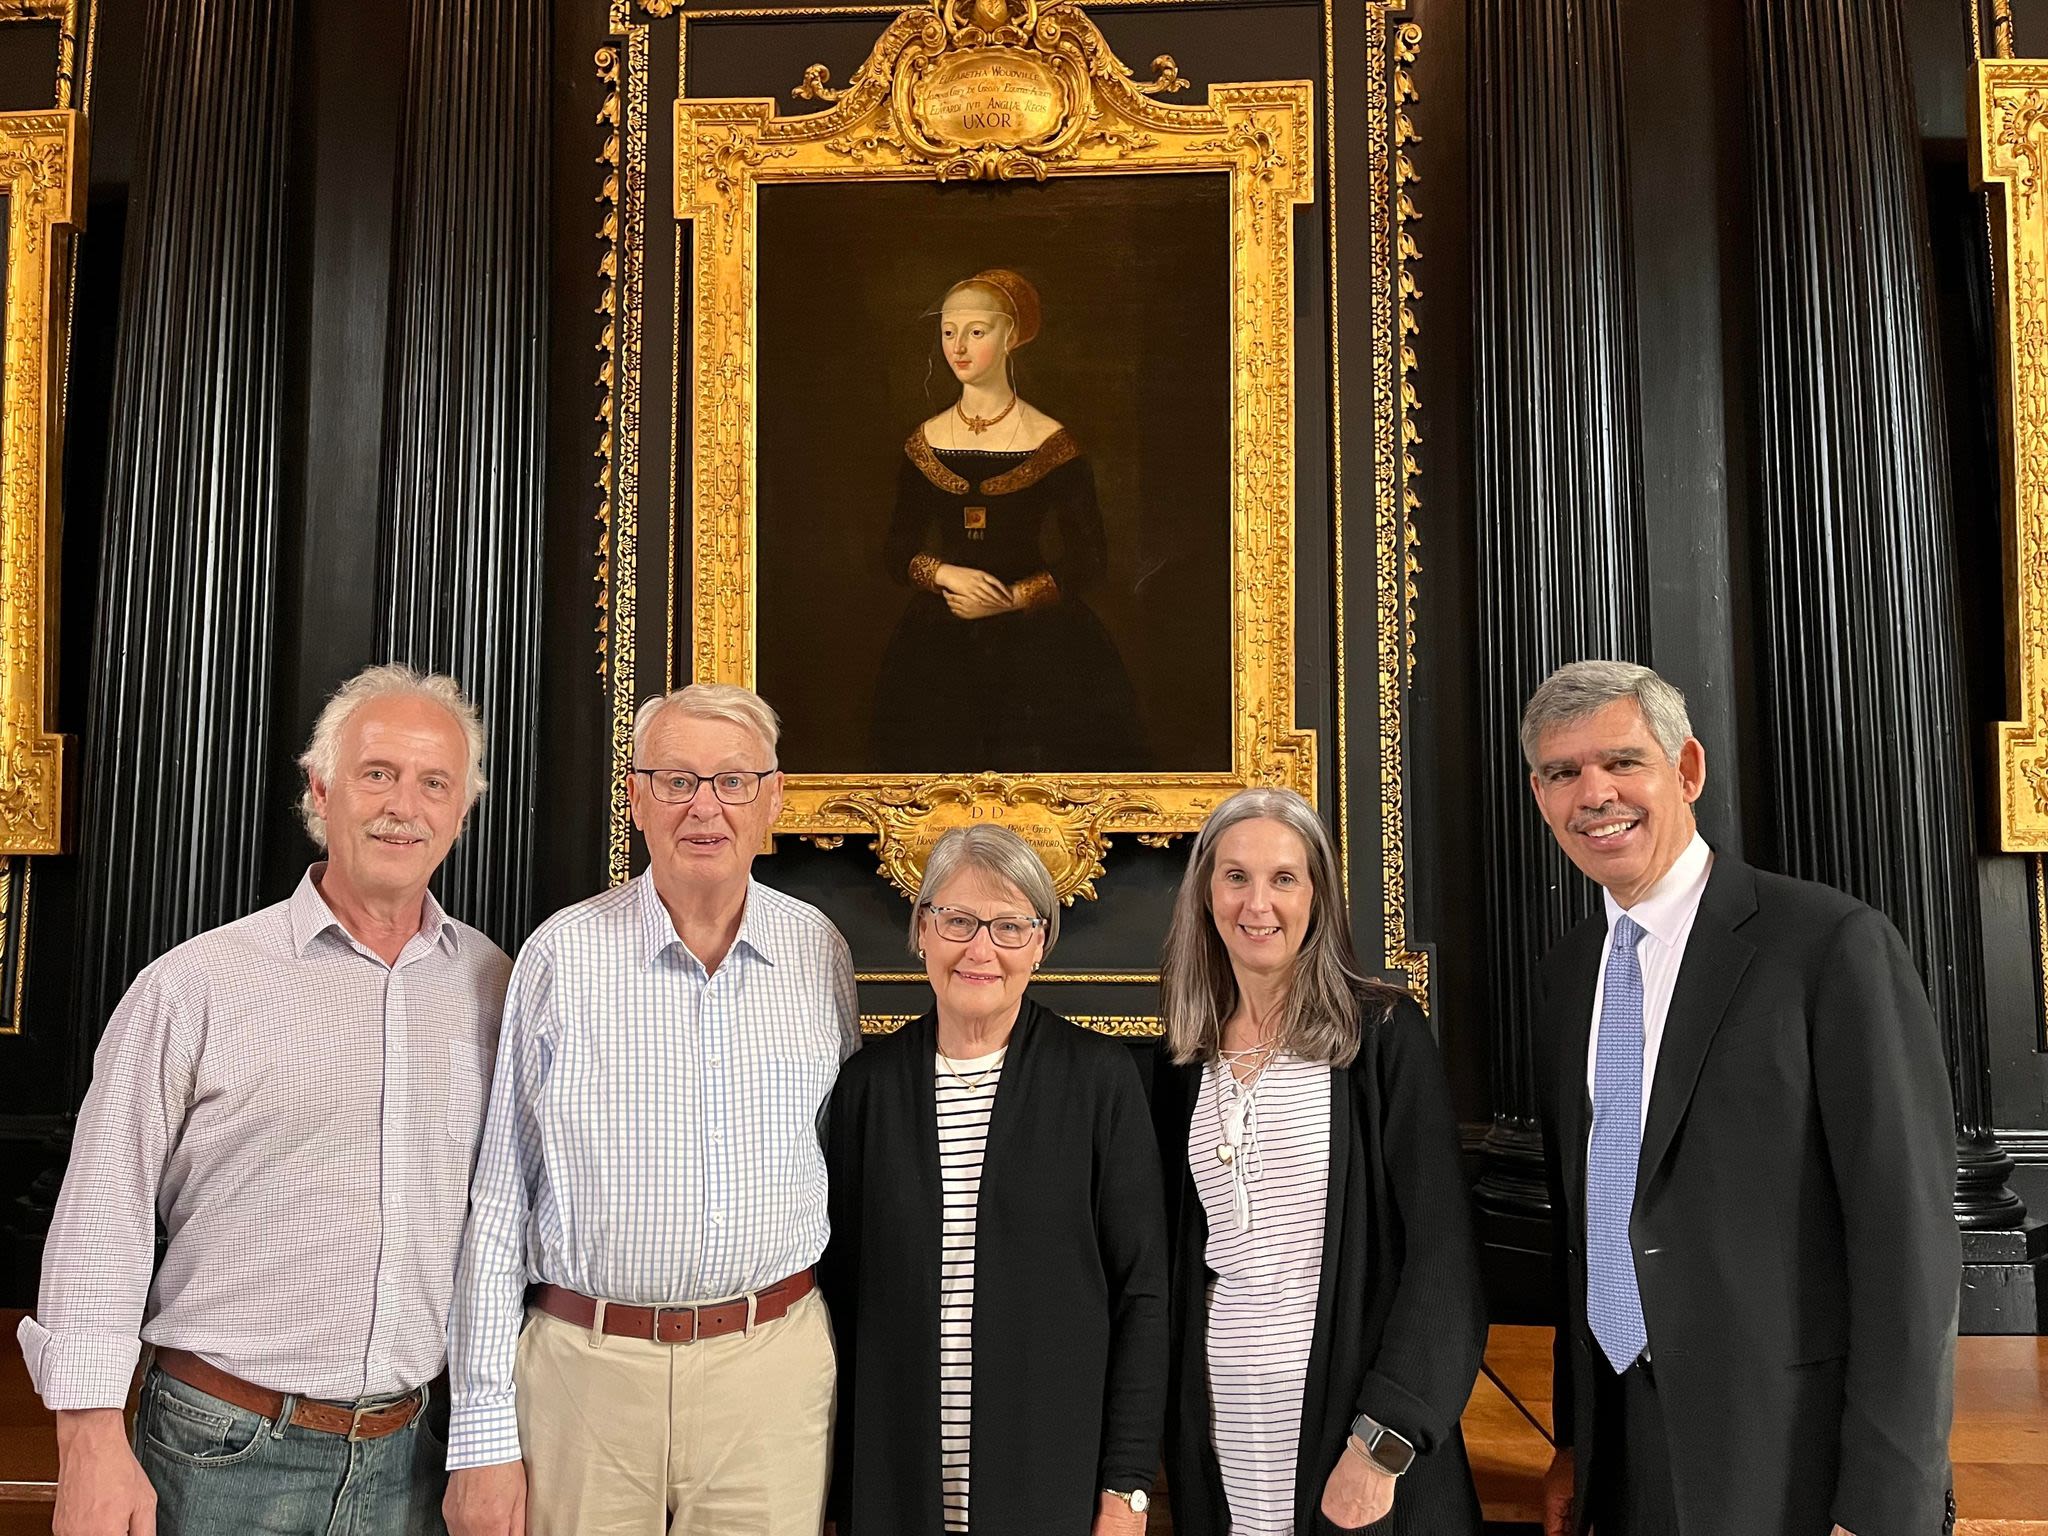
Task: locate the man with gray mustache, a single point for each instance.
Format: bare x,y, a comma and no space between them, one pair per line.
298,1096
1750,1149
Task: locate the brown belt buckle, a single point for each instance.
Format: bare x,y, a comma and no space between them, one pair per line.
355,1424
661,1312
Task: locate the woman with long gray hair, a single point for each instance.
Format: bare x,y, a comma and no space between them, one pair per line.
1326,1310
997,1269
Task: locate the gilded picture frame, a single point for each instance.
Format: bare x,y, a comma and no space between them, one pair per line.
2011,163
1370,260
43,181
1006,92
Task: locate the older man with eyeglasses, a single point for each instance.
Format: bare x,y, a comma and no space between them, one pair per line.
637,1344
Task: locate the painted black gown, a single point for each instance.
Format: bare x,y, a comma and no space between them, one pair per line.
1038,691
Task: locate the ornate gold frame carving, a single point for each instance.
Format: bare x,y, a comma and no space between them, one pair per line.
2011,163
919,108
40,166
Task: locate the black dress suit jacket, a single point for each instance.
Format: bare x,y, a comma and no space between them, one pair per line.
1069,1285
1795,1242
1400,1318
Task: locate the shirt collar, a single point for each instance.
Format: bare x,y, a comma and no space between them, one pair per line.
1672,900
658,929
311,916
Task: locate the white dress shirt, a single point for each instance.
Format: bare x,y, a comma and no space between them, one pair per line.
1666,917
303,1118
653,1128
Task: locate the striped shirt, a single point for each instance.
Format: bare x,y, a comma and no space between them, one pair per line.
302,1117
653,1127
963,1108
1262,1306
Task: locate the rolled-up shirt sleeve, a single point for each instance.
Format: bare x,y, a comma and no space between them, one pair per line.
490,1282
85,1337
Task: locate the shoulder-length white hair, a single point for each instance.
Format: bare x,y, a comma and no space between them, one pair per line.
1328,993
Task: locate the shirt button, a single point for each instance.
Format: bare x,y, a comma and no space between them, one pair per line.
717,1218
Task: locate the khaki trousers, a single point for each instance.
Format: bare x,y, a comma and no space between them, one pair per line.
727,1437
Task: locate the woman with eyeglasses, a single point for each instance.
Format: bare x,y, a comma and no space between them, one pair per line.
1326,1316
997,1267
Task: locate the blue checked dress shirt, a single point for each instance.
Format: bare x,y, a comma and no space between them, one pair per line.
652,1135
1614,1304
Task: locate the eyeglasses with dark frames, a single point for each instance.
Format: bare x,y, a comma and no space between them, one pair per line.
961,927
733,786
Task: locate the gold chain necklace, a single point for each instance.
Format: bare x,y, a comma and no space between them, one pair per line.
980,1082
980,424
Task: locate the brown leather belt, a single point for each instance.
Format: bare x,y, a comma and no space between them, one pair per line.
676,1325
307,1413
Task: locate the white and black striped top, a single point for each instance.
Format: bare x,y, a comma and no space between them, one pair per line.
963,1138
1262,1308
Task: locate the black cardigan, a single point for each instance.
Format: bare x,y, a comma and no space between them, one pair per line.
1069,1290
1400,1319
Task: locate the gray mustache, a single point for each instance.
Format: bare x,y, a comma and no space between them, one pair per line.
391,826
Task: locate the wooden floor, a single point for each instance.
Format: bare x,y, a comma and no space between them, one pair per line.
2000,1445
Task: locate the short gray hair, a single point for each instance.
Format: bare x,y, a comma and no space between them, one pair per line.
711,701
997,853
1581,688
1329,996
393,680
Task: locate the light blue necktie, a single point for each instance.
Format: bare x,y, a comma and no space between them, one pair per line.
1614,1305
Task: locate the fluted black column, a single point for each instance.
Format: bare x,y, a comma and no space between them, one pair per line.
178,750
460,523
1856,581
1559,483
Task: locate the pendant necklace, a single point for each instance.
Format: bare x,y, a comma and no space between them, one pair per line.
980,424
973,1085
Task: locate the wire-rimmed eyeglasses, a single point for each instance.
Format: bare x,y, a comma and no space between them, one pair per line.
1004,932
678,786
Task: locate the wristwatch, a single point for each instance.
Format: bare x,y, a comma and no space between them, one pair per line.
1137,1498
1390,1452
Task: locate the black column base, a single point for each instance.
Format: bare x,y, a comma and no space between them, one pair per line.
1511,1181
2005,1280
1512,1201
1984,1197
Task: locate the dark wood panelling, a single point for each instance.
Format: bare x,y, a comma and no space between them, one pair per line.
1562,542
459,518
187,568
1860,640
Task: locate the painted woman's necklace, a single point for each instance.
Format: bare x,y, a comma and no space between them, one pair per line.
980,424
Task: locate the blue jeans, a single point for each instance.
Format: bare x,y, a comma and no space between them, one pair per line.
220,1470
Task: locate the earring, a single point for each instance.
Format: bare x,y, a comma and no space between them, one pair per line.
920,954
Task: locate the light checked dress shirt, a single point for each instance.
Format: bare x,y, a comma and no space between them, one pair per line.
303,1118
1666,918
653,1129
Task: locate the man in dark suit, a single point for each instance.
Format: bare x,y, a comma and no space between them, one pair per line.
1751,1145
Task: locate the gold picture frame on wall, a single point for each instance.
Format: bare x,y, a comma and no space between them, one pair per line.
1360,346
969,128
42,182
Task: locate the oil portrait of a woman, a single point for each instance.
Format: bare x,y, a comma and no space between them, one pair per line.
997,660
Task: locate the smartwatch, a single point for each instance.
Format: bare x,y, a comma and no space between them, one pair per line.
1138,1499
1392,1453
